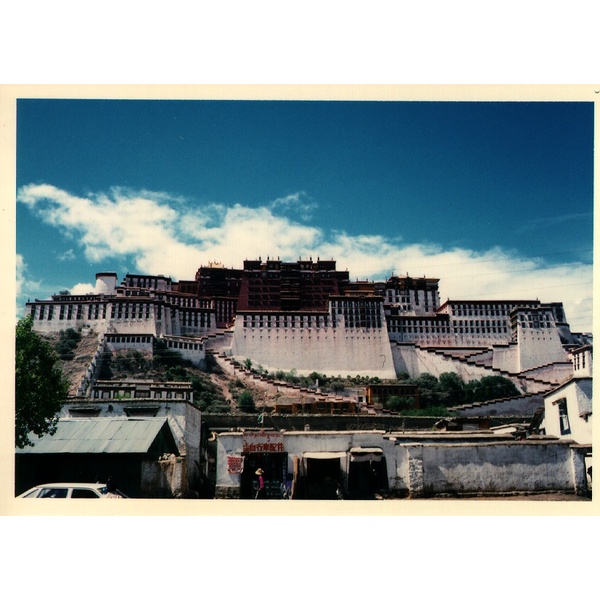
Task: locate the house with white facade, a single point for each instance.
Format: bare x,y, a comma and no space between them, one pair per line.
568,407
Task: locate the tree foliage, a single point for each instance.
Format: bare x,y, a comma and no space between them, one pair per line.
206,394
68,340
436,394
490,388
40,385
245,402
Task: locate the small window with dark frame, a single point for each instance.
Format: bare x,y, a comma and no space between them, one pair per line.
563,417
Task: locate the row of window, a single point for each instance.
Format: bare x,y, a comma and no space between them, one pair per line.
184,345
484,310
579,361
120,394
289,321
145,282
130,310
446,330
131,339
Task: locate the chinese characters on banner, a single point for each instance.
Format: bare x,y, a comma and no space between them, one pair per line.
235,464
262,441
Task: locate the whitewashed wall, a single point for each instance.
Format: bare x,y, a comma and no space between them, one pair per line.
332,351
488,468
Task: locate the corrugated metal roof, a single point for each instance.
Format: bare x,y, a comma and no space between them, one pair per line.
97,436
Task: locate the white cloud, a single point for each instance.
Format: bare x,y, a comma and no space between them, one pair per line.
25,286
298,203
160,234
69,255
21,268
80,289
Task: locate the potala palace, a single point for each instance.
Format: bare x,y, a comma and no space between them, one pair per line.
308,316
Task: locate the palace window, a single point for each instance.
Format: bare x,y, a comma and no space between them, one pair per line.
563,417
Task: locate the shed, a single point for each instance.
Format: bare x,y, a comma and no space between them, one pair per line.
86,450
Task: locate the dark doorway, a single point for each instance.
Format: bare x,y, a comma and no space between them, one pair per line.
322,478
274,465
367,479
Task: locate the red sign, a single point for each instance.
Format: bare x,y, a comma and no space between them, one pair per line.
262,441
235,464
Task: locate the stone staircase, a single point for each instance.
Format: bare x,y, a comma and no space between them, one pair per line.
539,378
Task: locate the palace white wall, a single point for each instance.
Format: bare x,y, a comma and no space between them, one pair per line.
328,350
539,347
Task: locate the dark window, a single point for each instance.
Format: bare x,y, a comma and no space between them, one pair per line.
54,493
563,417
83,494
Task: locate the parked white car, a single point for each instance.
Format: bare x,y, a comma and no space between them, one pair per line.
70,490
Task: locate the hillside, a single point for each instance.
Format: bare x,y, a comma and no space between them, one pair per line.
215,390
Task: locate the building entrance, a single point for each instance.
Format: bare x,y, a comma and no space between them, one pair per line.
275,474
322,475
367,473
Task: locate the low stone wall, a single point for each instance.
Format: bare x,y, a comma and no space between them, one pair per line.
491,468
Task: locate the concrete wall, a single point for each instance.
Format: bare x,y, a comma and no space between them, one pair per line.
486,468
165,478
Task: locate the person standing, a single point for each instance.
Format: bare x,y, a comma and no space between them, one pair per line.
261,493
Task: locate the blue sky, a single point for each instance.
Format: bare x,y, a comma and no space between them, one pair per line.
493,198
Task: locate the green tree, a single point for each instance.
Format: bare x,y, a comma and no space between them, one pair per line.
400,403
428,389
451,389
68,340
490,387
40,385
245,401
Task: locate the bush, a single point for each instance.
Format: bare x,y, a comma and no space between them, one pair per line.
400,403
337,386
245,402
165,357
131,361
66,344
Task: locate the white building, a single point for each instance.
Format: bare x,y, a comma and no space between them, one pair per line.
370,328
568,407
